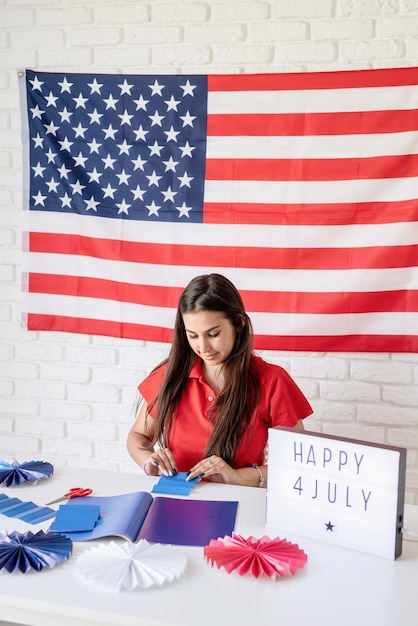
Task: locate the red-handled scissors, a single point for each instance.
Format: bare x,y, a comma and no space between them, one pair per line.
74,492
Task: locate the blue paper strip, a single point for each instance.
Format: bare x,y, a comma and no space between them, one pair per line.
8,503
38,514
21,509
175,485
26,511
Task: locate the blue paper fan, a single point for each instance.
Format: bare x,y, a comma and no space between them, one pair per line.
25,551
30,472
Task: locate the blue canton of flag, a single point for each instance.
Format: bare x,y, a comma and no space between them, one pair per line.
132,148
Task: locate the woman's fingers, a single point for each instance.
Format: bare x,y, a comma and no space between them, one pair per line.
163,458
207,467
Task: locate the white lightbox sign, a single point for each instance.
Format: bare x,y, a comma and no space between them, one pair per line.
342,491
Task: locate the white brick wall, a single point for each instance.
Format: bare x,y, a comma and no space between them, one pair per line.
70,399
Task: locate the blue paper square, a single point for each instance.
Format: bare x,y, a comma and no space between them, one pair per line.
72,518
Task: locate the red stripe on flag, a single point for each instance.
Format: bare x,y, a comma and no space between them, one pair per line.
150,295
313,169
255,301
314,124
357,343
312,214
98,327
330,303
202,256
349,79
339,343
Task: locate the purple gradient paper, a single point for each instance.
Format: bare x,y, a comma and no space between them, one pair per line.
188,522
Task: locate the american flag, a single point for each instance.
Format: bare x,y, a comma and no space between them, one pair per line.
301,188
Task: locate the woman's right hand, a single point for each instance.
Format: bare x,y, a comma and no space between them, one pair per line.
160,462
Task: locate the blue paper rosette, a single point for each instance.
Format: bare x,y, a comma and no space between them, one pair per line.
26,551
18,473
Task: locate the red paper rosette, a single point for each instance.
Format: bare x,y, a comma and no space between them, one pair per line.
255,556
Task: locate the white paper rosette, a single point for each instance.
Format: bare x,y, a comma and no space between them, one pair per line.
130,565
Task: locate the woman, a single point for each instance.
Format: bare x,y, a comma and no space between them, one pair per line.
210,403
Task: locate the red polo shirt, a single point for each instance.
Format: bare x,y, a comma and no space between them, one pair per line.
281,404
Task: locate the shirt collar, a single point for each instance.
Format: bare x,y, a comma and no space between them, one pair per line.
196,371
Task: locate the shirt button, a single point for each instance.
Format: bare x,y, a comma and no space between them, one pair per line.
210,398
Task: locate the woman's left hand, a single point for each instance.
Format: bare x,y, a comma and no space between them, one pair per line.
213,468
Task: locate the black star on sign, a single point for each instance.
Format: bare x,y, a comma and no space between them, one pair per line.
330,526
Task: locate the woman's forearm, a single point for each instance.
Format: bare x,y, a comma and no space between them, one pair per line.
255,476
139,447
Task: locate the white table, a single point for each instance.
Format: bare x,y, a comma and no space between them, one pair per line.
337,587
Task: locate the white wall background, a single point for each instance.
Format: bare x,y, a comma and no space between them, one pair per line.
69,399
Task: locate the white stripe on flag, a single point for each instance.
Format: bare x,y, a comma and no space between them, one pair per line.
248,235
332,281
317,192
313,100
313,147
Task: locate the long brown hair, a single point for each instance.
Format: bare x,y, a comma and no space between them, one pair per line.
234,406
